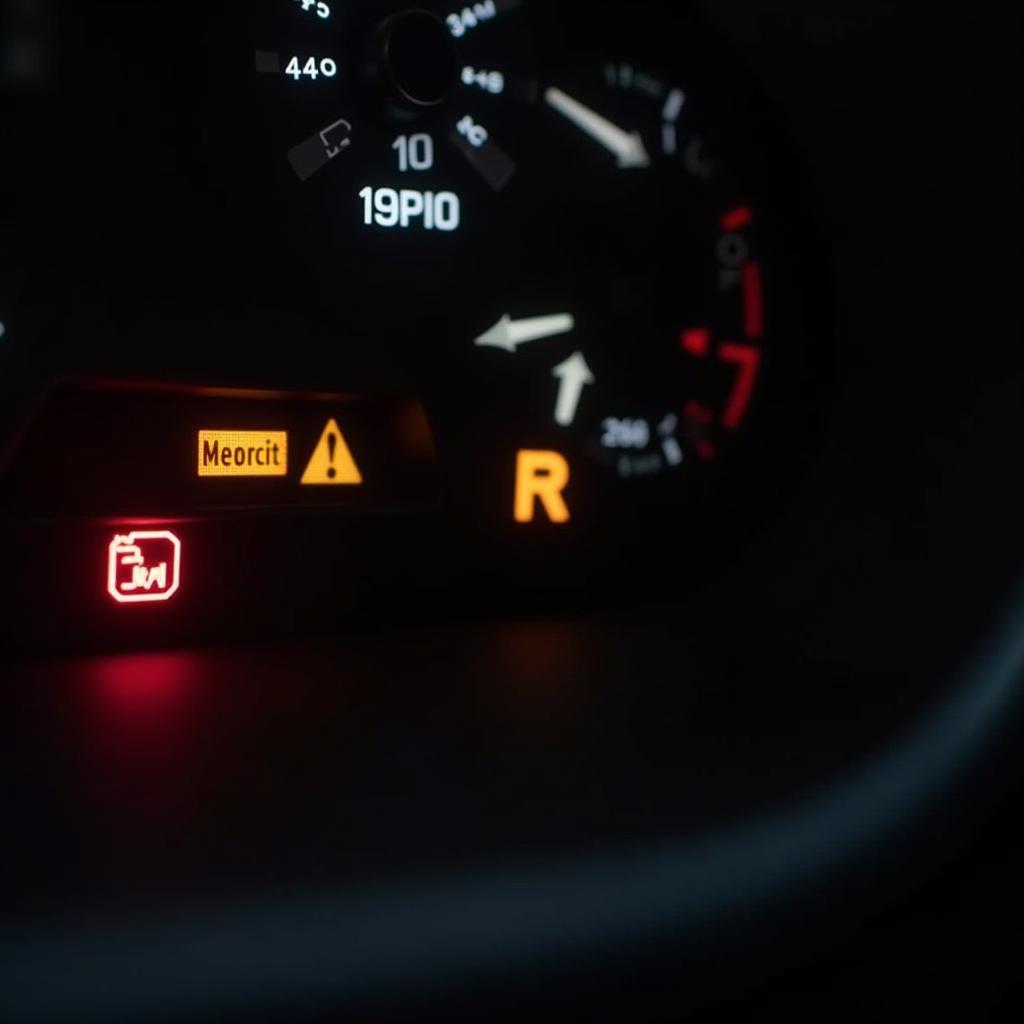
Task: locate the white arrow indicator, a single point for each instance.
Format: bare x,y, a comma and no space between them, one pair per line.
627,147
509,334
574,375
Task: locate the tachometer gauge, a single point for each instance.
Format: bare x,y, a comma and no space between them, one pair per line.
558,228
511,289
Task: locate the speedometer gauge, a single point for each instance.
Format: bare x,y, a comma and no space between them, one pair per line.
565,223
483,299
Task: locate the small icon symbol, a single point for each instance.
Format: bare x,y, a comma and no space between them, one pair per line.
332,462
541,480
335,138
144,566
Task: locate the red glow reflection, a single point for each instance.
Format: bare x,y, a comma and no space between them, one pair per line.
144,685
540,671
140,745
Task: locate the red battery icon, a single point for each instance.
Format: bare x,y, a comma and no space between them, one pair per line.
144,566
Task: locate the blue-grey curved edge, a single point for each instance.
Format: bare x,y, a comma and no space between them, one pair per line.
347,946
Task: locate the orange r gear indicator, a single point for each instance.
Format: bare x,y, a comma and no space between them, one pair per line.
541,480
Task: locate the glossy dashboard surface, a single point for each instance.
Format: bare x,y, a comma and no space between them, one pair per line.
465,774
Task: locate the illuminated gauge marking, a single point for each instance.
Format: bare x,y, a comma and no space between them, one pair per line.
670,114
474,15
319,150
475,134
415,152
669,443
737,219
696,341
318,7
673,105
632,438
408,208
492,82
311,68
484,155
625,433
747,361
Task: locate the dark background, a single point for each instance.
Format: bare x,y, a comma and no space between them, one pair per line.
476,748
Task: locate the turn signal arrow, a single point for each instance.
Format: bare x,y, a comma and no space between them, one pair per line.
574,375
509,334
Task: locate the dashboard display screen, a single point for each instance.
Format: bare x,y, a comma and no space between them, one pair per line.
530,280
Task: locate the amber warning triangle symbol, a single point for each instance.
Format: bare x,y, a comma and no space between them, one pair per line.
332,463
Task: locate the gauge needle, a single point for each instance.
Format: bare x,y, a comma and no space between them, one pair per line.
627,147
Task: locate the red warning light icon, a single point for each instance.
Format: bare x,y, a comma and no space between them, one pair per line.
144,566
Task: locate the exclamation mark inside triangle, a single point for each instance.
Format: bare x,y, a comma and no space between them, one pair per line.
332,463
332,446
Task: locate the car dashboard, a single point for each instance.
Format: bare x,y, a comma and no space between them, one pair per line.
508,508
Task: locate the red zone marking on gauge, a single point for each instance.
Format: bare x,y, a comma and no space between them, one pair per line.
747,360
738,219
753,301
702,415
696,341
